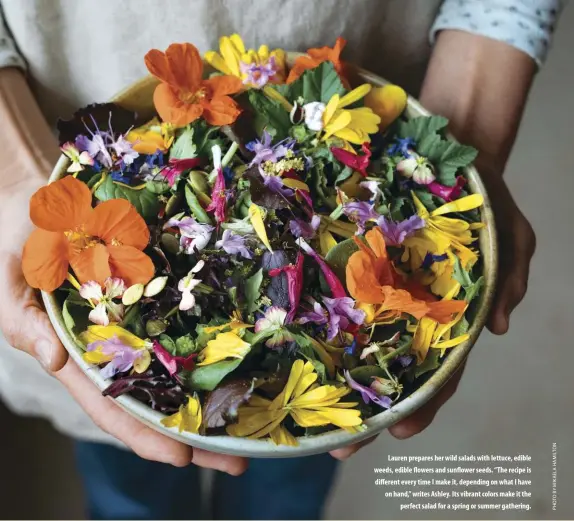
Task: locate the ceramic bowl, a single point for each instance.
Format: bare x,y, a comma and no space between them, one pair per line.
138,97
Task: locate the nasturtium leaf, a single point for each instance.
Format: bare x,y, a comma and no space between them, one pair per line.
252,290
222,404
145,202
338,257
207,377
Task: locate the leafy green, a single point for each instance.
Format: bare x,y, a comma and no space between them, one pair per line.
157,187
270,115
452,157
318,84
338,257
363,374
418,128
184,146
202,336
167,342
184,346
431,362
75,318
472,291
471,288
145,202
427,199
460,328
207,377
194,205
252,290
133,321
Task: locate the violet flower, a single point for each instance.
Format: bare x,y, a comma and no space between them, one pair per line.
317,316
337,289
124,356
124,150
294,274
258,75
375,188
176,167
264,151
360,212
396,232
233,244
96,147
341,313
300,228
173,363
194,236
367,393
448,193
402,146
275,184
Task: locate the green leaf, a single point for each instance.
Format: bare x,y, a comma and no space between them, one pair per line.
157,187
461,275
472,291
194,205
252,290
134,322
145,202
202,337
427,199
460,328
418,128
431,362
338,257
432,146
269,115
455,156
345,174
75,317
397,212
167,342
184,345
321,83
184,146
208,377
364,373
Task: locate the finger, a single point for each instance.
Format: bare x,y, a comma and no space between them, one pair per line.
143,440
24,322
422,418
347,452
233,465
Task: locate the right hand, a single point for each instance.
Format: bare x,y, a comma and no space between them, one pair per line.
27,327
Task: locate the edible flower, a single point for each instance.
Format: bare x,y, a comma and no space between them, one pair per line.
308,405
318,55
352,160
234,244
443,233
183,96
403,146
79,159
187,285
218,194
300,228
119,357
360,212
173,363
341,313
264,151
98,243
318,315
388,102
337,289
448,193
350,125
258,223
176,167
396,232
194,236
294,274
417,167
152,137
254,68
367,394
188,418
223,346
272,322
103,297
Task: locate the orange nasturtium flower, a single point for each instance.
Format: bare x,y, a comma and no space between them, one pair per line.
106,241
373,282
316,57
183,95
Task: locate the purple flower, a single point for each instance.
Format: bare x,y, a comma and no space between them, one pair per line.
317,316
396,232
123,359
259,75
264,151
124,150
360,212
341,313
405,360
367,393
300,228
194,235
96,147
233,244
275,184
374,187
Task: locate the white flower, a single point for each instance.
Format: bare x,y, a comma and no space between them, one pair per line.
417,167
194,236
314,115
102,299
186,286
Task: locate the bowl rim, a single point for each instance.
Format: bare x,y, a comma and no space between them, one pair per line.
308,445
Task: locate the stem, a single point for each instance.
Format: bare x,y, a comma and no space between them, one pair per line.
393,354
171,312
204,288
336,213
230,153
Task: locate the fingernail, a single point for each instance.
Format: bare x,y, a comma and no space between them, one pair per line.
44,351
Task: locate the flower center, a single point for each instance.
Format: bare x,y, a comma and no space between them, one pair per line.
192,97
80,240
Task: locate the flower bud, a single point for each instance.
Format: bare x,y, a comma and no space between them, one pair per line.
424,174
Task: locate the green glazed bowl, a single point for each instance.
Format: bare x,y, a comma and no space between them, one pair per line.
139,98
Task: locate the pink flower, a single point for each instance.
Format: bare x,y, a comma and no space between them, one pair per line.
294,274
105,308
176,167
448,193
354,161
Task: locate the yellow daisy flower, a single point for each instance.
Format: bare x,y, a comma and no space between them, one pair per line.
350,125
308,404
188,418
254,68
223,346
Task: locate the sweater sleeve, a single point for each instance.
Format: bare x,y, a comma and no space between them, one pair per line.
9,55
527,25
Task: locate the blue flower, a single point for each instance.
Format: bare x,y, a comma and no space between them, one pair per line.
402,146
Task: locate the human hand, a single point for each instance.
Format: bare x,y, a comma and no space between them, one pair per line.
27,327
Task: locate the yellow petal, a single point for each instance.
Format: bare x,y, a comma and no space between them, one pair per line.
320,396
237,43
172,421
323,356
365,119
234,324
97,333
217,62
294,376
256,425
281,436
352,136
230,54
470,202
223,346
330,109
295,183
423,338
338,122
420,207
388,102
96,356
256,217
355,95
263,53
142,363
191,415
326,242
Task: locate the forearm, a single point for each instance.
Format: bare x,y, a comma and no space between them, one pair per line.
481,85
29,148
